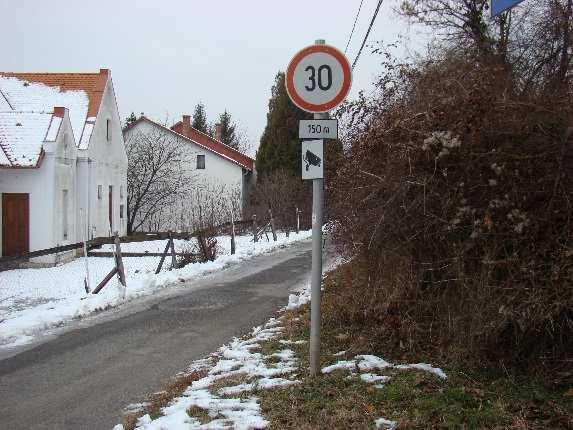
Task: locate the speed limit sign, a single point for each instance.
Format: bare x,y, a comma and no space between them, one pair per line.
318,78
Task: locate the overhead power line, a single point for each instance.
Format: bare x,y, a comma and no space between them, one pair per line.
353,26
367,33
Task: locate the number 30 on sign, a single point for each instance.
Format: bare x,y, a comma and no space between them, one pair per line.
318,78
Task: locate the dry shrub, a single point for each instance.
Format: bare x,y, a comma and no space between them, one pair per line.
465,186
282,192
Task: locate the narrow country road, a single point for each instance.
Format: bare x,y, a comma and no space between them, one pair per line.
84,378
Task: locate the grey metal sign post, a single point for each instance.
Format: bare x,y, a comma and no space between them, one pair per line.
316,274
318,78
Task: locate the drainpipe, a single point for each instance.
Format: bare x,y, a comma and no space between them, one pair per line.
88,211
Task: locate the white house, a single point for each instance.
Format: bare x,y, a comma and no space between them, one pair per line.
63,166
218,174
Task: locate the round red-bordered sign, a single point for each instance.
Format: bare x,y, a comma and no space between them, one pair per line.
318,78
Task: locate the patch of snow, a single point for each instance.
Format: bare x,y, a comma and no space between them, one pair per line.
86,135
341,365
383,423
54,128
369,362
425,367
371,378
227,412
292,342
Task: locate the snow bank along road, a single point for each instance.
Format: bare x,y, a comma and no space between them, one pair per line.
83,379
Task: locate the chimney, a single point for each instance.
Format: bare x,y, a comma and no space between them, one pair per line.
186,124
218,132
59,111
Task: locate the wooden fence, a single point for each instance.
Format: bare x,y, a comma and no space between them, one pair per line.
206,249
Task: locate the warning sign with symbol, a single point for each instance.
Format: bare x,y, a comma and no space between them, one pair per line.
312,159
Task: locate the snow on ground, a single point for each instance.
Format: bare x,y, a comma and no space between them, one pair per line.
237,360
236,369
35,300
364,363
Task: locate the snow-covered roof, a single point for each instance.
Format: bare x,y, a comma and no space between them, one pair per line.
35,97
80,93
22,135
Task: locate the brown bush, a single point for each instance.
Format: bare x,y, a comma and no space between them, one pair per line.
466,186
282,192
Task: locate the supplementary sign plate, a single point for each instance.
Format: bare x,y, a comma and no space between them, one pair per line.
318,129
318,78
312,159
499,6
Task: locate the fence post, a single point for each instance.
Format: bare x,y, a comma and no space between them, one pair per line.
203,246
118,268
272,222
119,260
256,239
297,220
173,257
232,233
165,251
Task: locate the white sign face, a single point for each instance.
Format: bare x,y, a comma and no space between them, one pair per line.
318,129
318,78
312,159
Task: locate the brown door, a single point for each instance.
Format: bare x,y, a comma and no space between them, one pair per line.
15,224
110,206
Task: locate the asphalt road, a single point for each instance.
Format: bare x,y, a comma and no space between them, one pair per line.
83,378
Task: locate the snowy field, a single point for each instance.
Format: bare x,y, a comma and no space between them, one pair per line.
35,300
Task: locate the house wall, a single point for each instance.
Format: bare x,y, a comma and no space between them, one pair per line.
103,164
219,182
45,187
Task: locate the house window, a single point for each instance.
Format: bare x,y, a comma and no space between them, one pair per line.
108,130
121,192
99,192
65,214
121,211
200,161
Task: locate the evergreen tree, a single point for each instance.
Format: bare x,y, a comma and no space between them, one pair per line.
228,135
280,145
200,118
130,119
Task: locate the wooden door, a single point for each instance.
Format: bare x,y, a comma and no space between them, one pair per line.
15,224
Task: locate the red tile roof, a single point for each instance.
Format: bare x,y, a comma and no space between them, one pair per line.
92,83
216,146
204,141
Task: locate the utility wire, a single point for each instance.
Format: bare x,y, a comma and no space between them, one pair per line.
354,26
367,33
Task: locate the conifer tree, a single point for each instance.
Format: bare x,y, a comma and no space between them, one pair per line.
280,145
200,118
228,135
130,119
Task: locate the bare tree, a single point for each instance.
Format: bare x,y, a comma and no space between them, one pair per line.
155,177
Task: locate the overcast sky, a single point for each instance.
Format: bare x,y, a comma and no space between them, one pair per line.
167,55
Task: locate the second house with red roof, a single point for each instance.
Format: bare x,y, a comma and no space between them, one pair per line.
216,177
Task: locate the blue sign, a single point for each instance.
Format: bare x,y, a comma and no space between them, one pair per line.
499,6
